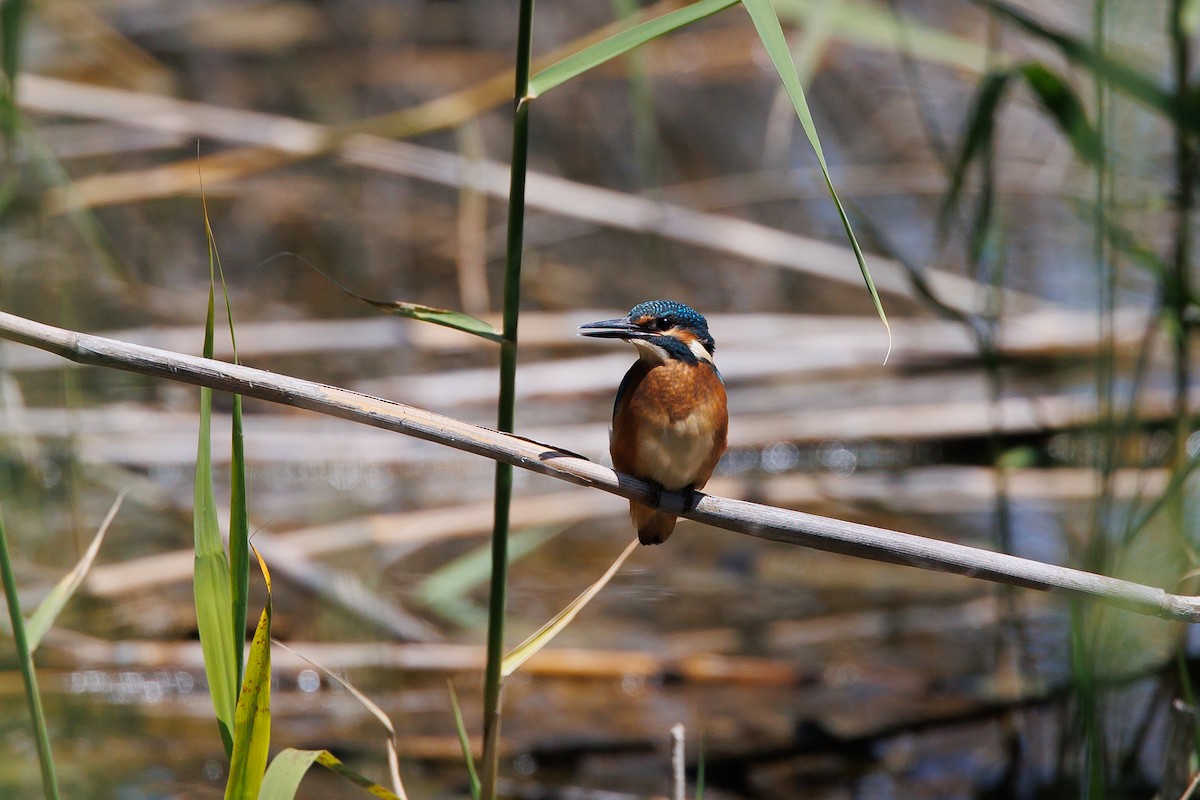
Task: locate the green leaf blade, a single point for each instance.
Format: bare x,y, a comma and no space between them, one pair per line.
252,724
285,773
252,721
33,697
762,13
542,637
289,768
210,577
978,137
239,539
447,318
464,742
614,46
1121,76
1059,100
239,515
886,29
47,612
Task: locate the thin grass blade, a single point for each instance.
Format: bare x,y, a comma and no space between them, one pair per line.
331,762
771,34
464,742
526,649
47,612
981,122
573,66
252,722
1054,95
239,515
211,584
1130,244
1119,75
1064,107
376,711
33,697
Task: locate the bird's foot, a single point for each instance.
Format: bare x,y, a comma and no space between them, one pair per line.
656,493
689,498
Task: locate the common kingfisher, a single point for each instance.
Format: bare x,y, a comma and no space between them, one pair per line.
670,418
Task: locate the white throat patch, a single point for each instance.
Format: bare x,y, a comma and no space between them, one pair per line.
652,353
698,351
649,352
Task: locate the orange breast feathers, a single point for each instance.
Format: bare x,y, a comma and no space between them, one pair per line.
670,423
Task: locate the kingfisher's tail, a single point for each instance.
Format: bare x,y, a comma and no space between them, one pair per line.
653,527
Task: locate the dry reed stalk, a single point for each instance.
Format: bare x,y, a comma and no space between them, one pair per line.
776,524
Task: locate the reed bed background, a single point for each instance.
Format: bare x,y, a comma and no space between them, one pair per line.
1021,183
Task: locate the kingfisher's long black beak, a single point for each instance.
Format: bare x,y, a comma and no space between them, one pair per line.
612,329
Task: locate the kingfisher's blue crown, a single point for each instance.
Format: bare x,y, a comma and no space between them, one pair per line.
684,316
677,313
671,314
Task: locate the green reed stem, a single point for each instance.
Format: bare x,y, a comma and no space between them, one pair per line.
507,405
1106,285
1178,292
32,696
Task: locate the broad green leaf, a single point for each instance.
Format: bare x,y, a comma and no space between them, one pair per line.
285,773
981,123
210,582
444,590
1063,105
64,590
769,31
1119,75
464,741
610,48
252,722
290,766
526,649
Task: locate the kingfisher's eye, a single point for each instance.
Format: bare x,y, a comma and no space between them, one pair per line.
662,323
